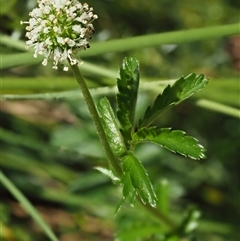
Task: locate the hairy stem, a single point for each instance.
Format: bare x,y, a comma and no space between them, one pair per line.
96,119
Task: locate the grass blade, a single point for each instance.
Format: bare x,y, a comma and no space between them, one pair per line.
27,206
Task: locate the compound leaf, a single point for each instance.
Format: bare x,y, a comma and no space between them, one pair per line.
111,127
182,89
173,140
128,84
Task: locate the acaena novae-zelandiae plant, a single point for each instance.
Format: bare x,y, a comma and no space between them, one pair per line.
58,30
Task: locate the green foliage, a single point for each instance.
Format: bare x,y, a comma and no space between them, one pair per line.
127,97
182,89
173,140
135,181
55,169
111,127
108,173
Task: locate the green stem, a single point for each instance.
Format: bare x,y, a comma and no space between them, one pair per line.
96,119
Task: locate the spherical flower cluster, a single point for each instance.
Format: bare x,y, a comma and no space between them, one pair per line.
58,29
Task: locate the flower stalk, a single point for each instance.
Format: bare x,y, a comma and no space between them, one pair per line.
96,119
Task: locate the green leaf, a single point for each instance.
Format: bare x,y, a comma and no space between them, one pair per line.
135,180
108,173
182,89
111,127
127,97
173,140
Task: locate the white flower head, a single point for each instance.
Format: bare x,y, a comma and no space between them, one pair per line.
59,28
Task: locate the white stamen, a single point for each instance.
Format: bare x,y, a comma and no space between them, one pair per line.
58,29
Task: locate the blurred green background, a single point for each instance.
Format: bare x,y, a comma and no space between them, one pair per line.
49,147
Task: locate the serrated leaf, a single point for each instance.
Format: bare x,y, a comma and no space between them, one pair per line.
111,127
135,180
182,89
128,84
173,140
